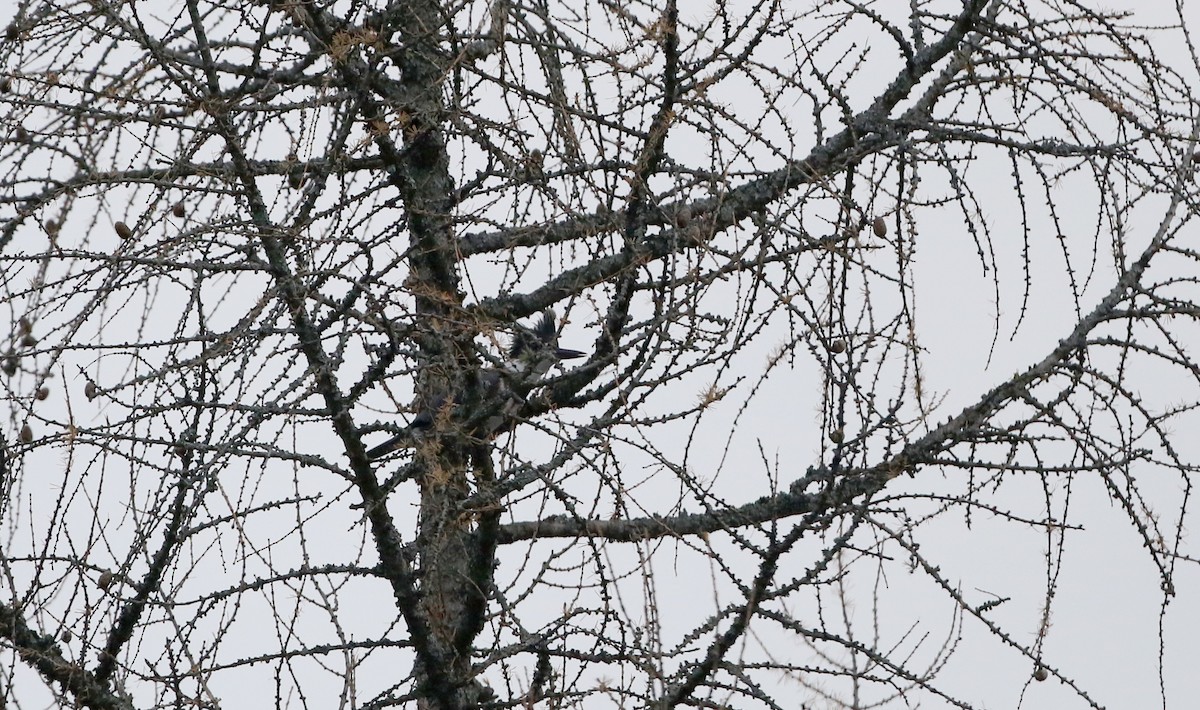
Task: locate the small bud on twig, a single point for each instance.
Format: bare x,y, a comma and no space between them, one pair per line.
683,216
879,227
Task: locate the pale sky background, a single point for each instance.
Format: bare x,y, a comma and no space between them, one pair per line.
1105,615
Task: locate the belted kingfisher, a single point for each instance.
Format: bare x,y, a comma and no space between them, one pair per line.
531,354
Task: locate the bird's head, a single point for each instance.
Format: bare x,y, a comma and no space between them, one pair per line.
535,350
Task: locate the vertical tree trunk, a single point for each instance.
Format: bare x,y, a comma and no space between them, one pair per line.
446,358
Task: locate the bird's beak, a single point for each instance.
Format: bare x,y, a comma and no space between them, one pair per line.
567,353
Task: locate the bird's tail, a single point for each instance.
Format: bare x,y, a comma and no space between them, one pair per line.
397,442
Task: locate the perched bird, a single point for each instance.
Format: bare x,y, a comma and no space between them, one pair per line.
534,351
531,354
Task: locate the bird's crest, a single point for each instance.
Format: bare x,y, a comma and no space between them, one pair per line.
531,340
544,330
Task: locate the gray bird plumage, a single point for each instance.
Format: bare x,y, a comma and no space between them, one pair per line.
531,354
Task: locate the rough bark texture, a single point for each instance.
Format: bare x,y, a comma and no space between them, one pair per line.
245,244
